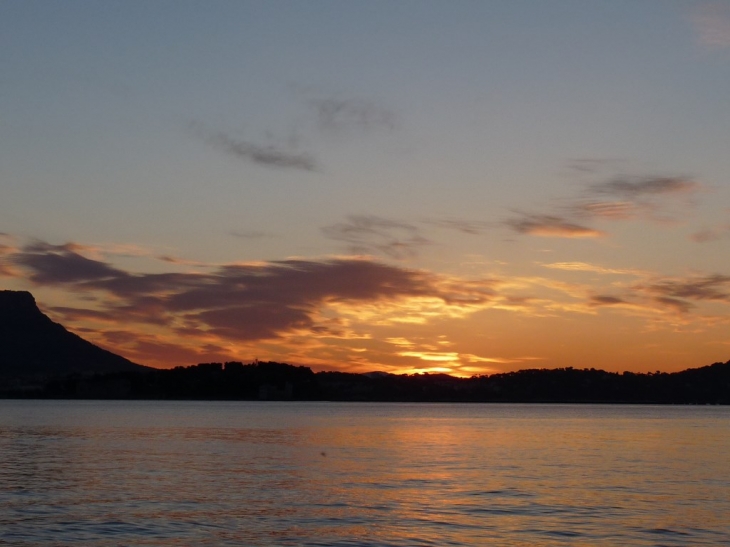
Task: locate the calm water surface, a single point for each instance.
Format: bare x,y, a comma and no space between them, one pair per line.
329,474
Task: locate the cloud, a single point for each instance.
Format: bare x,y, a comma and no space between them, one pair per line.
652,305
712,24
337,114
715,287
607,210
655,198
628,198
585,267
242,302
551,226
711,234
6,251
296,308
680,306
592,165
154,349
471,227
637,187
267,155
603,300
366,234
251,234
57,264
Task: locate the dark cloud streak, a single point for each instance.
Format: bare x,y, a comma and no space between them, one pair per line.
267,155
633,188
236,301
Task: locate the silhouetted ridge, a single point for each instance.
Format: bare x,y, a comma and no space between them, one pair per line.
31,345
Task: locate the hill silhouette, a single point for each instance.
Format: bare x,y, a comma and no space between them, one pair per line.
34,347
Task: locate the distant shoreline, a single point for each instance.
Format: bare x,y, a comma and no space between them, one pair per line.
269,381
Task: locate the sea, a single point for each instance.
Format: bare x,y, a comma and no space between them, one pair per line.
195,473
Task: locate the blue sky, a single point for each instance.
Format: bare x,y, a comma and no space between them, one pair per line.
569,158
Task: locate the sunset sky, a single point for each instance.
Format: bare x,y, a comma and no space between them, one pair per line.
408,186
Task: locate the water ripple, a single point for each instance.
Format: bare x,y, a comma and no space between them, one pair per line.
220,474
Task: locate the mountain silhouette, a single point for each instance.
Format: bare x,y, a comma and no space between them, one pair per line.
33,345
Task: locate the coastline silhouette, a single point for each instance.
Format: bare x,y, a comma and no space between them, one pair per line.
41,359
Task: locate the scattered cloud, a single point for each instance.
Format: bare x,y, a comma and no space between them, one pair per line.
471,227
654,198
585,267
671,297
551,226
637,187
252,234
721,231
680,306
365,234
267,155
606,210
628,198
714,287
603,300
592,165
712,24
338,114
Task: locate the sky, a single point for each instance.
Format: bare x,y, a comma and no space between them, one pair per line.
465,187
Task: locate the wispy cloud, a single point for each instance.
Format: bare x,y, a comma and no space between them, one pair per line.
585,267
712,23
672,297
267,155
471,227
605,210
7,248
551,226
341,114
605,300
714,287
592,165
637,187
643,198
251,234
653,198
365,234
715,233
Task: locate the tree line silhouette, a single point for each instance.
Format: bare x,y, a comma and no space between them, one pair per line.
280,381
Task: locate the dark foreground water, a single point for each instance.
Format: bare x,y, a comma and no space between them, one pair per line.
328,474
